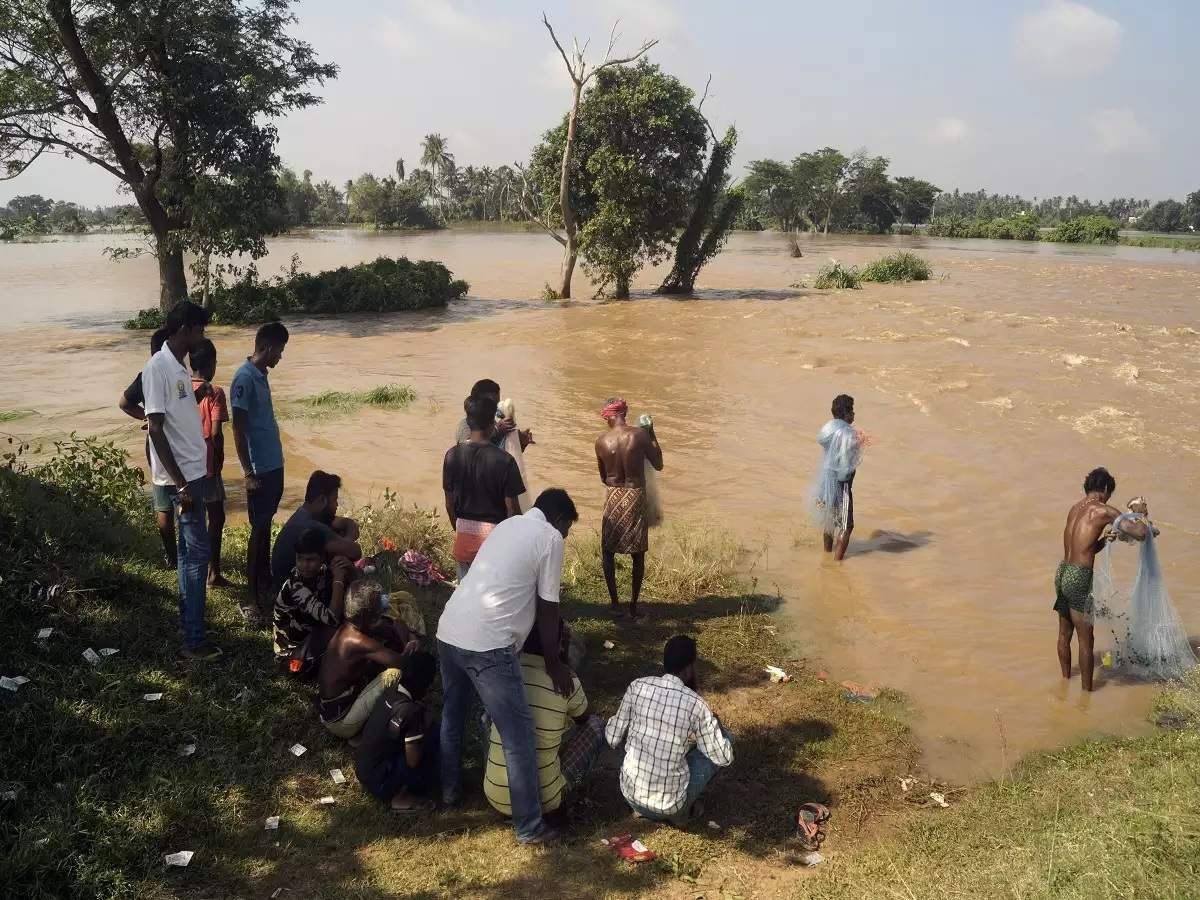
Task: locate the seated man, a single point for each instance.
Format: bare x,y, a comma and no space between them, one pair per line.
397,759
674,743
318,511
350,678
309,606
561,764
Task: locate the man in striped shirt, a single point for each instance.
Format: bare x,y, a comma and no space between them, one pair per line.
562,764
673,742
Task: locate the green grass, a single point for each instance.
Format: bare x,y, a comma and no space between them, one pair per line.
900,266
12,415
336,403
1183,242
835,276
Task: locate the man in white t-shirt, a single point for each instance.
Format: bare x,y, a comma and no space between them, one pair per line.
179,462
513,583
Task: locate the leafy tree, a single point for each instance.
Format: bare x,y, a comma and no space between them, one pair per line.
637,161
715,210
870,201
914,200
439,161
771,191
175,100
1166,215
820,182
299,198
331,207
1191,214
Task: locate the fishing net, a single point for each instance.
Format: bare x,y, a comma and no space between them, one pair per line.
1149,637
506,409
843,455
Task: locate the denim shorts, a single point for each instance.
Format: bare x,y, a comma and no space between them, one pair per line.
261,505
162,496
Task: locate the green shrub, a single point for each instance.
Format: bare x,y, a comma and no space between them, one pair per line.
1162,241
332,403
385,285
147,319
1085,230
1014,228
835,276
897,267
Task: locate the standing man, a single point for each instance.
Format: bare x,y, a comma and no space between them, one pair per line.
1082,540
256,435
179,463
214,413
512,588
833,494
673,742
481,482
485,387
622,453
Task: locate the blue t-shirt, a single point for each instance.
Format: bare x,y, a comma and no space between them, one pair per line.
251,393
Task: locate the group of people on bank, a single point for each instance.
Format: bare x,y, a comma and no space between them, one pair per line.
500,640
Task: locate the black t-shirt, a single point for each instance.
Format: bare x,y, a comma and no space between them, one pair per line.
480,477
397,719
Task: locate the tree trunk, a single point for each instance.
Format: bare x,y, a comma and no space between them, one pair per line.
570,227
621,291
172,281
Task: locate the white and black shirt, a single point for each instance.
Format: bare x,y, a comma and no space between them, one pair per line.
167,389
660,719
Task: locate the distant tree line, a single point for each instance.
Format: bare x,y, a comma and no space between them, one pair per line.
32,214
1145,215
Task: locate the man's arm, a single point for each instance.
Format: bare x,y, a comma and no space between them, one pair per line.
242,442
376,652
653,451
711,739
600,464
131,409
340,570
162,448
512,506
618,725
547,626
339,546
450,509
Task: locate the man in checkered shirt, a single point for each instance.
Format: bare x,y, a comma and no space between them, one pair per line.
673,742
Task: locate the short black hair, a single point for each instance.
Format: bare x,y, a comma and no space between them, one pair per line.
186,314
312,540
679,653
321,484
1099,480
270,334
481,411
203,355
557,506
485,386
417,671
843,405
157,340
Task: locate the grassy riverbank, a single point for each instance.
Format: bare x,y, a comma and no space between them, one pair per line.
329,404
100,791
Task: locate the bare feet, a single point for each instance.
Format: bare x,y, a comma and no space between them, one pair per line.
218,581
403,801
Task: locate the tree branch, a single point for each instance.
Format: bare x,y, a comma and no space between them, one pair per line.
523,200
608,63
21,167
700,108
561,51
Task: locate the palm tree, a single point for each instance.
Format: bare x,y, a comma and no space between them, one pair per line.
438,160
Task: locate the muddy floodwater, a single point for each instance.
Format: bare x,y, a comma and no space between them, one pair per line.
988,394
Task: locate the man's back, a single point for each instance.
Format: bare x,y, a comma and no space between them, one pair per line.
622,452
480,477
345,660
1085,524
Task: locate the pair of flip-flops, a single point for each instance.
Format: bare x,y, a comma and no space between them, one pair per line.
811,825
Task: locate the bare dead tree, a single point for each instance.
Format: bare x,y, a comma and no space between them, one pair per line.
580,75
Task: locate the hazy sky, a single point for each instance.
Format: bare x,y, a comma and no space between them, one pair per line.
1038,97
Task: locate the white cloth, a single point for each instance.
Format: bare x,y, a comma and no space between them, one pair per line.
495,604
167,387
659,720
843,455
512,444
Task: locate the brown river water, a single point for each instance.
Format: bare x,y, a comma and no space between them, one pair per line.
988,393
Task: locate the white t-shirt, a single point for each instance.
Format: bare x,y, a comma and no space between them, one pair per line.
495,604
167,386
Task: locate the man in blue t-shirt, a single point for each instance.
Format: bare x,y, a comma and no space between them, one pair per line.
256,434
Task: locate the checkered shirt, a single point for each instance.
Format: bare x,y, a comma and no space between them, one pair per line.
660,720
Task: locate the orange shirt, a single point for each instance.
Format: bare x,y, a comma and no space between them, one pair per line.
213,410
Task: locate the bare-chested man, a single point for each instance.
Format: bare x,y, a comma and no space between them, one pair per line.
1083,538
350,678
621,454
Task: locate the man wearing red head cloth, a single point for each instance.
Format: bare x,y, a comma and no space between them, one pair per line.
622,453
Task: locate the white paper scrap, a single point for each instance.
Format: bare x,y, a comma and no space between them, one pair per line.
713,825
152,697
327,801
939,799
811,859
778,676
639,847
187,749
44,634
297,749
337,776
272,823
109,651
608,645
91,656
9,684
182,858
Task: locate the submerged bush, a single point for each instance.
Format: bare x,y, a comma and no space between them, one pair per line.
384,285
1085,230
332,403
1013,228
901,266
835,276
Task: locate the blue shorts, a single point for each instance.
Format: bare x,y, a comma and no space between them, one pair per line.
262,504
162,496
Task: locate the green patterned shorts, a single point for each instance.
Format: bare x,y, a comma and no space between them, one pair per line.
1072,589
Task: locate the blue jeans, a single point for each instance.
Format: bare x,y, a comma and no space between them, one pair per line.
496,676
193,565
701,770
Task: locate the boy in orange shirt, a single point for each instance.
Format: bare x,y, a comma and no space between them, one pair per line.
213,412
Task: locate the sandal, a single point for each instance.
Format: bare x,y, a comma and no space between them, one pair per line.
810,823
250,615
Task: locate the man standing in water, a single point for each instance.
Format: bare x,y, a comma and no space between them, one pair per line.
622,453
833,494
260,452
1083,538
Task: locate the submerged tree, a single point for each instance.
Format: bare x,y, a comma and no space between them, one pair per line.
713,215
173,99
580,75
